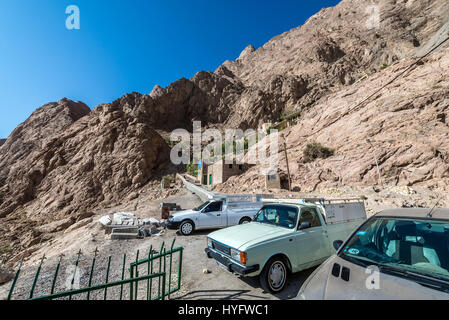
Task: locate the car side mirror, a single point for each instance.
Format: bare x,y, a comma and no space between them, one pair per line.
337,244
304,225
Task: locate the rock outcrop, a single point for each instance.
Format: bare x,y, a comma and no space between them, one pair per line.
2,142
48,120
97,160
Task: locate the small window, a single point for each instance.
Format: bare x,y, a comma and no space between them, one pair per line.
230,166
310,215
283,216
240,167
272,177
214,206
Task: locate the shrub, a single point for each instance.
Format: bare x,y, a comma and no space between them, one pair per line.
192,169
5,250
315,150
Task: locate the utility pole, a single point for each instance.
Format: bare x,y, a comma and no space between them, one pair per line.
288,168
377,163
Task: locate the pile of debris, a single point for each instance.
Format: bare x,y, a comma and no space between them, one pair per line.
125,226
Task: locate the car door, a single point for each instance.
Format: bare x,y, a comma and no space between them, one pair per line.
212,215
311,243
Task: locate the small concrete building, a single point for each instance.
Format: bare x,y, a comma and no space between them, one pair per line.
219,172
273,180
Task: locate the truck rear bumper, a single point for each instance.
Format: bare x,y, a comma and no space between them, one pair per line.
232,267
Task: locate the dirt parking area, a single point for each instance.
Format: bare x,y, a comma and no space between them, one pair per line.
220,284
217,285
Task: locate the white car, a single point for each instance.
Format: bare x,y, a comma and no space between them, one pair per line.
284,238
214,214
396,254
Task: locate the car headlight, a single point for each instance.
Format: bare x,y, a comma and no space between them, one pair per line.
239,256
235,254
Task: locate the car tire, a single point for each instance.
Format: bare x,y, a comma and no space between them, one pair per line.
274,275
245,220
186,228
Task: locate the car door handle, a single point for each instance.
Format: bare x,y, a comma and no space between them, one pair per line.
218,215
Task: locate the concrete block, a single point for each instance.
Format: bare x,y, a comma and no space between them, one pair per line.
125,230
123,236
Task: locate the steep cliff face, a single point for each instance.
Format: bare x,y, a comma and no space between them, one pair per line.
101,157
48,120
406,124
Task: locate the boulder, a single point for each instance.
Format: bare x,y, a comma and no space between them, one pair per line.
5,276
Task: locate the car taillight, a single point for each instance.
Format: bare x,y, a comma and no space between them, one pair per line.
243,257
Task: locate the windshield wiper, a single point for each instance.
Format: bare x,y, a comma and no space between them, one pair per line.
418,277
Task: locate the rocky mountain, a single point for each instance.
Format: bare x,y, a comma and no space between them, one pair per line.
48,120
2,142
332,50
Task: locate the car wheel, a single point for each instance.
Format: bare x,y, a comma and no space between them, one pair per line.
186,228
245,220
274,275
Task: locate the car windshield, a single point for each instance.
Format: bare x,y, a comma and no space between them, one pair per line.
282,216
407,246
201,207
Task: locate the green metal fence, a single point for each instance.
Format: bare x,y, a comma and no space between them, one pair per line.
156,273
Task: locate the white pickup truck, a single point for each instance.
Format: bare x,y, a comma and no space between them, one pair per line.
286,236
220,212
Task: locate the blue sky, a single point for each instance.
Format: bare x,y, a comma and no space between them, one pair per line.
124,46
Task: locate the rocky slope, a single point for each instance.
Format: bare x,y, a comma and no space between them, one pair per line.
65,169
48,120
406,124
332,50
2,142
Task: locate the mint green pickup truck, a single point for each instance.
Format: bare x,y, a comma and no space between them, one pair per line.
284,238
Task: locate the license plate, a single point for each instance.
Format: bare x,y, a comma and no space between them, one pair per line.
221,265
